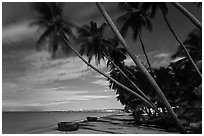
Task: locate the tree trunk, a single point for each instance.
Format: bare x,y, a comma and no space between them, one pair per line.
140,91
116,82
181,43
190,16
143,48
141,67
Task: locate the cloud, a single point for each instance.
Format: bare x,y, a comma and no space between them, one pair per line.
18,32
107,90
43,69
100,76
162,55
161,59
101,82
49,98
156,58
129,61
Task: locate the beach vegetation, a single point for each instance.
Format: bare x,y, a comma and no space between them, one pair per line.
163,96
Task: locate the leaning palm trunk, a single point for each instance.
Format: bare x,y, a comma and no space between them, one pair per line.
143,48
140,91
141,67
115,81
190,16
181,43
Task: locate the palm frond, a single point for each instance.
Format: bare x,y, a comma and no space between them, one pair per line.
65,48
43,9
83,48
125,6
124,17
45,34
53,44
102,28
149,25
154,9
163,7
124,29
40,22
136,30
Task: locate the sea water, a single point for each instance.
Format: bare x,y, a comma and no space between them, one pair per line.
41,122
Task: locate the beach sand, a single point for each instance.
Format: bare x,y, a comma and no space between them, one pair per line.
46,123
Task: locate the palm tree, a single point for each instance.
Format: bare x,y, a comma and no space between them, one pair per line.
140,66
193,44
50,19
188,14
65,39
118,56
162,6
93,44
136,19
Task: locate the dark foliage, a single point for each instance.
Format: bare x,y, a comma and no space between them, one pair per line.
134,18
93,43
50,19
193,43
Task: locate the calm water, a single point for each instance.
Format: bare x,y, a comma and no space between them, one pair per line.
40,122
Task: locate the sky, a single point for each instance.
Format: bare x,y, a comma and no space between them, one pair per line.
31,81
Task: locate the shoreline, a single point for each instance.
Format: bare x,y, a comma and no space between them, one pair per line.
46,123
31,121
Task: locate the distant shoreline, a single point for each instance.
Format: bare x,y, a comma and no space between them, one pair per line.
101,110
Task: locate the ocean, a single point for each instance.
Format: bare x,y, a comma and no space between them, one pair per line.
41,122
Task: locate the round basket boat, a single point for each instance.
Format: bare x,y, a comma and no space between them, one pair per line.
92,118
68,126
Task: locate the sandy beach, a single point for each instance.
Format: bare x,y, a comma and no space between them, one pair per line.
46,123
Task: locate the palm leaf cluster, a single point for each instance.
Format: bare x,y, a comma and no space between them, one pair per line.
134,18
193,44
93,43
50,19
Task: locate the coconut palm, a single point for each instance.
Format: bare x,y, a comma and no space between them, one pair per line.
153,7
50,19
136,19
124,97
93,44
193,44
46,9
126,89
117,55
140,66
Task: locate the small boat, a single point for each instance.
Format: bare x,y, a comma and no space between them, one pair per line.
68,126
92,118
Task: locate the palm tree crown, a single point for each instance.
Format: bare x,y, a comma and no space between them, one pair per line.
152,8
134,18
93,43
193,44
50,19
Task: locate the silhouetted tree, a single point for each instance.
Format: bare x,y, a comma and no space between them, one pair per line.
50,19
141,67
153,7
136,19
